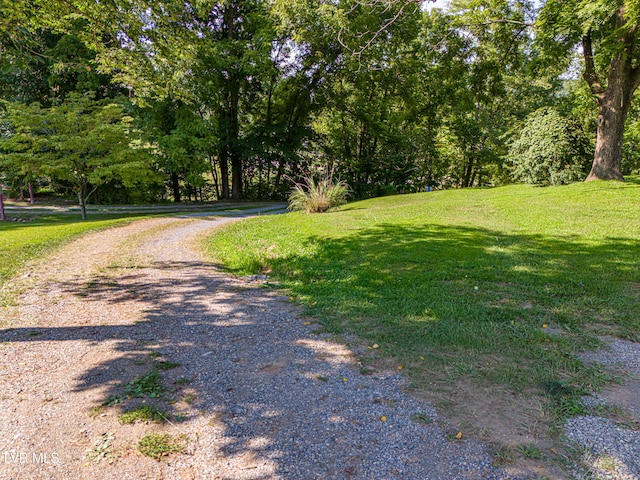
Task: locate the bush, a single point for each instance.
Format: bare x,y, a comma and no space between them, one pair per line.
550,150
318,196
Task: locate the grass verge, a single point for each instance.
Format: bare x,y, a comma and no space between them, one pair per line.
21,242
491,290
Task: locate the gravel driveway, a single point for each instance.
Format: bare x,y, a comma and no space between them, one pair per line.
255,392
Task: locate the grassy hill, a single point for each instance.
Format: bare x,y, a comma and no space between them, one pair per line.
492,289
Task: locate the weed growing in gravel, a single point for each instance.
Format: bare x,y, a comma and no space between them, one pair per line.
148,385
179,417
112,400
95,411
143,413
530,451
422,418
183,381
102,449
165,365
158,445
502,455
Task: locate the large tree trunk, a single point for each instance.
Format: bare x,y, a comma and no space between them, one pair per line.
236,178
613,100
607,162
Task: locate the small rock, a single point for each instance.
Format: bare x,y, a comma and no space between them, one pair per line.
237,410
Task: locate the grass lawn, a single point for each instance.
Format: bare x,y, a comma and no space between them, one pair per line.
494,288
21,242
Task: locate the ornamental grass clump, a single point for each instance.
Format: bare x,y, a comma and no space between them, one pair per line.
318,196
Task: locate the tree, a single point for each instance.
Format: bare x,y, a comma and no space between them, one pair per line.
83,143
550,150
607,31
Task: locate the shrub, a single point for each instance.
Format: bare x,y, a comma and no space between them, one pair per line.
318,196
550,150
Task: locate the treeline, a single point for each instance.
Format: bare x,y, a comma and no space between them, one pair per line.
208,100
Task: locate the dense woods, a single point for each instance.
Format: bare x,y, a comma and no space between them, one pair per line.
144,101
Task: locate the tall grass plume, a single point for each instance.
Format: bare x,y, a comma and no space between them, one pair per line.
316,196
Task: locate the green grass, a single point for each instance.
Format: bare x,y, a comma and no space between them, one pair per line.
22,242
467,279
158,445
142,414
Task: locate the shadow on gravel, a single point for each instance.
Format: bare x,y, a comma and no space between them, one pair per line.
268,397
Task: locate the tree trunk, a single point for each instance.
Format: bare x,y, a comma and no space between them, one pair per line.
233,138
175,187
224,174
214,175
83,204
468,170
31,199
613,100
3,216
607,162
231,129
236,177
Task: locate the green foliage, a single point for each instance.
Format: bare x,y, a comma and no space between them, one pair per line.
158,445
143,414
83,143
631,146
148,385
245,94
550,150
316,196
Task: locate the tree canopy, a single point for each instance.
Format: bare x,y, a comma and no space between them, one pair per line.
219,99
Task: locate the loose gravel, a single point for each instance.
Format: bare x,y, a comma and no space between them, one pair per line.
257,392
611,450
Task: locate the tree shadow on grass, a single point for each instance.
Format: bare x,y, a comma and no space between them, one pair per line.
462,292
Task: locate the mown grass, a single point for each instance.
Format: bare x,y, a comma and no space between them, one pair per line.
473,281
22,242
